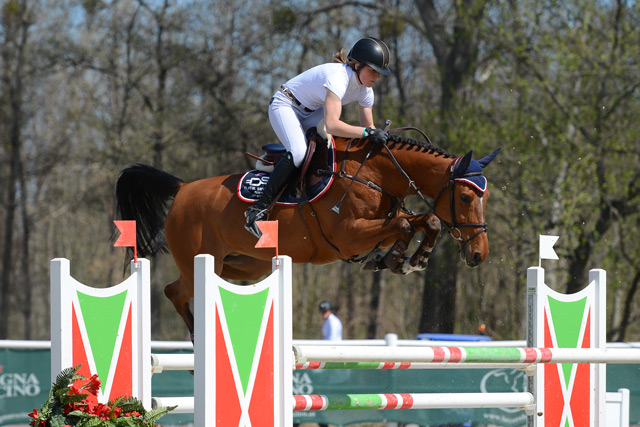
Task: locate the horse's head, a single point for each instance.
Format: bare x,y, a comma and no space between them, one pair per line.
463,211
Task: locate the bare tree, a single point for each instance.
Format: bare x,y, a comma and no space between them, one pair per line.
16,23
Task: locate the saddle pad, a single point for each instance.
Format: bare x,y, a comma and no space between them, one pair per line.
252,184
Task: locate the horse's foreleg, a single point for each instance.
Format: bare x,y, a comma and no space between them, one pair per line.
395,259
420,257
395,256
403,230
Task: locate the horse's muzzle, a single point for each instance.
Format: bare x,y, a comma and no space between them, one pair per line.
475,260
471,255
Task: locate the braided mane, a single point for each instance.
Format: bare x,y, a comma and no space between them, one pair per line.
427,147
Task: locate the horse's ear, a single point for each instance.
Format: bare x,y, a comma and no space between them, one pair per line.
486,160
464,163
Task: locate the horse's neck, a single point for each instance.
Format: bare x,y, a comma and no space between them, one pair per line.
428,170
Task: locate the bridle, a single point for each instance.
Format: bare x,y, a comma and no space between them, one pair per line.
453,227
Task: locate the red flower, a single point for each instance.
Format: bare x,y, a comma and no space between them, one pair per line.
93,385
76,406
35,415
103,412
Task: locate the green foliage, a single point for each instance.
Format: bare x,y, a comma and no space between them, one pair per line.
283,19
11,8
93,6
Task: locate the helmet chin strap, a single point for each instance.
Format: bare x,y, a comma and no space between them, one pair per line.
358,73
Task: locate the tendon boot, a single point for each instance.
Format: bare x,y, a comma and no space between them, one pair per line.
278,180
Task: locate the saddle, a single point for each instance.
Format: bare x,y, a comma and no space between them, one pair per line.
306,184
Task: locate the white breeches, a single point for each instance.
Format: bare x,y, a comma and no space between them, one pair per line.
290,122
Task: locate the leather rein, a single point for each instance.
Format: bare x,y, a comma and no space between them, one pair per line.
453,227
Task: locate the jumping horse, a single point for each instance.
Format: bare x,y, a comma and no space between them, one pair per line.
362,213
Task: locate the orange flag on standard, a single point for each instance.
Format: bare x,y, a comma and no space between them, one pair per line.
127,236
269,238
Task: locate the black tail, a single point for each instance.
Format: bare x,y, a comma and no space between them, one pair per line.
143,194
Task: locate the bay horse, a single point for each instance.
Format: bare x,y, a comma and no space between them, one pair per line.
361,213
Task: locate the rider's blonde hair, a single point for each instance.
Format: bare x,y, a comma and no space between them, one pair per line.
341,57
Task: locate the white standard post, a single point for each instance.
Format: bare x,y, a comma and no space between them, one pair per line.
142,321
598,278
283,324
212,329
61,354
578,321
204,381
137,353
535,281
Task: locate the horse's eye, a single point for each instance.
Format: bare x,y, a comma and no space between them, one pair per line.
465,198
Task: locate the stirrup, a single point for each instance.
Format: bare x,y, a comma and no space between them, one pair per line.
252,214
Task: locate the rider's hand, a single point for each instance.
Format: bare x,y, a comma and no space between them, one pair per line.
377,136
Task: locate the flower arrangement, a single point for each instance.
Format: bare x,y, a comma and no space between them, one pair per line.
69,405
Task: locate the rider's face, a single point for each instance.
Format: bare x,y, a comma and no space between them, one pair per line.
368,76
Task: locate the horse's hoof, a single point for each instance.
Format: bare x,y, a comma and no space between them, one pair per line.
372,265
404,267
374,262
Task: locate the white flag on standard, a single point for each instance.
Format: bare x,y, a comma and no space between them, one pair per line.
546,247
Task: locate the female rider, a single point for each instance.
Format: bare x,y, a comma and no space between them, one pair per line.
318,93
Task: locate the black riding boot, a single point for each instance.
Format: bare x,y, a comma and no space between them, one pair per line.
279,178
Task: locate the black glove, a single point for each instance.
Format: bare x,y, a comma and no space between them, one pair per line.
377,136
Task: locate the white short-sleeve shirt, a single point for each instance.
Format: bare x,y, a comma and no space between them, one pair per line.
310,87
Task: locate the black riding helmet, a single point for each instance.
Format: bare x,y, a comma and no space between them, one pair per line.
325,306
372,52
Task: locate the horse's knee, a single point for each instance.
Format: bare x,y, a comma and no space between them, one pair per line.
433,224
405,229
432,228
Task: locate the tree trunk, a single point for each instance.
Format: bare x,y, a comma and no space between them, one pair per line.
374,304
16,30
347,313
25,261
456,53
626,314
439,295
7,245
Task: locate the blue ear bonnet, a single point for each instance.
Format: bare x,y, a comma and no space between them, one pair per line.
470,171
476,179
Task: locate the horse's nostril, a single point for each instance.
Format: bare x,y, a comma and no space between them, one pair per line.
477,258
